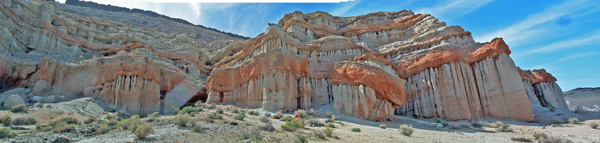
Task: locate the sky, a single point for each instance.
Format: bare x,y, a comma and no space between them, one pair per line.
561,36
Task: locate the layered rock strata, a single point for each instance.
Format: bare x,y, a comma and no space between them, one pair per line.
368,66
543,90
131,68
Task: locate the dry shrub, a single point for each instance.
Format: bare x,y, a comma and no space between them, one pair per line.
538,135
181,119
406,130
328,131
382,126
143,130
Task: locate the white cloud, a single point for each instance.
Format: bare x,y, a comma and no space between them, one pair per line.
526,28
453,9
552,65
344,8
247,1
580,41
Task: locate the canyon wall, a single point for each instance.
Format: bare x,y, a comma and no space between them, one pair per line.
369,66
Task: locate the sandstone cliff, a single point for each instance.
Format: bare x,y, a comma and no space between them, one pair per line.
369,66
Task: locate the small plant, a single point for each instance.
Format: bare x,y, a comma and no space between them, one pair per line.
301,139
355,129
500,126
211,107
539,135
438,120
286,118
298,123
573,120
268,115
253,113
264,119
328,114
6,133
476,125
220,111
196,127
268,127
333,117
71,120
104,129
287,127
594,125
235,111
240,116
406,130
154,115
130,123
315,123
520,139
328,131
319,134
214,116
382,126
19,108
579,110
188,110
330,125
300,114
181,120
278,115
554,140
40,105
143,130
6,120
109,117
89,120
24,121
63,128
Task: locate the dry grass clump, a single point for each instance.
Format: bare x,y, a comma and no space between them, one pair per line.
520,139
406,130
319,134
24,121
278,115
573,120
214,115
264,119
143,130
181,120
501,127
197,127
6,120
594,125
538,135
267,127
6,133
19,108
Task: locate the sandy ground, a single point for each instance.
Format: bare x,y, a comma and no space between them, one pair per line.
248,129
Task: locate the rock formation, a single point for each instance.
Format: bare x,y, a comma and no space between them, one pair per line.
369,66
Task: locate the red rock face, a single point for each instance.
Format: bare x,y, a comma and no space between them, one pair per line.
369,66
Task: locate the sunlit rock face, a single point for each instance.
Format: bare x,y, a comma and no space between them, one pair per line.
133,69
369,66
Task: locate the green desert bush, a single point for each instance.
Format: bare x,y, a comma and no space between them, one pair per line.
355,129
406,130
130,123
240,116
89,120
6,133
438,120
328,131
254,113
573,120
6,120
235,111
264,119
301,139
268,115
63,128
189,110
24,121
315,123
214,116
19,108
220,111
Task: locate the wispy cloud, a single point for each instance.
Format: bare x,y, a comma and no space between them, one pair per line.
344,8
526,28
567,58
585,40
454,9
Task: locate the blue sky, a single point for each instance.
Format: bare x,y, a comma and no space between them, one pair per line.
562,37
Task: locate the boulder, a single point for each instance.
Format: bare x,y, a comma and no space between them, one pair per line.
83,106
13,100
